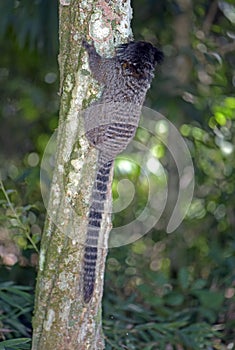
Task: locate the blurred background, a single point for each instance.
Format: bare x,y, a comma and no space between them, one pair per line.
165,291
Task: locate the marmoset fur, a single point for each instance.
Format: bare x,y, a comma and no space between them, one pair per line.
111,123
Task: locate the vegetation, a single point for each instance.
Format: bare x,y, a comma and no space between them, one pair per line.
164,291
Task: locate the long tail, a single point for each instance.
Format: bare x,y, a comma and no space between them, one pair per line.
99,195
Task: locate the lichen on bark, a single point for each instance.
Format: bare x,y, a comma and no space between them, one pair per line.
61,319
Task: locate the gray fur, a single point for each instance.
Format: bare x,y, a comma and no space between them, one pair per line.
111,124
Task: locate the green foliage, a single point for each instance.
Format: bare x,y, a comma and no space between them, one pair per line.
16,304
18,344
34,23
189,307
139,329
20,220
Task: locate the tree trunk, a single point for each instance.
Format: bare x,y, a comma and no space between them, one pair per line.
61,319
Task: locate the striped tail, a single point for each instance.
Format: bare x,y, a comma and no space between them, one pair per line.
99,195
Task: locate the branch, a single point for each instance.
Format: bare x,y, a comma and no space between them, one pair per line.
223,50
210,17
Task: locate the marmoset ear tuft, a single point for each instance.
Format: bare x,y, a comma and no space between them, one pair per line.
158,56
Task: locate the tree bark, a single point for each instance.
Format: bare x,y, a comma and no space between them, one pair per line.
61,319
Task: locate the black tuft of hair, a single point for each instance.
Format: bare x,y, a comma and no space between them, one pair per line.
133,50
158,56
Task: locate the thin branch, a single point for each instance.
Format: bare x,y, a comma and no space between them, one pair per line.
210,17
226,48
17,217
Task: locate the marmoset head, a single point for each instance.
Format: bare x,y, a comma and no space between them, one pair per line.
139,53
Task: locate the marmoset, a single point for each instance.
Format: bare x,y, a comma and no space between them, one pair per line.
110,124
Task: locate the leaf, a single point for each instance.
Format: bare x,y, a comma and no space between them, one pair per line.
14,343
184,278
210,299
230,102
174,298
199,284
9,300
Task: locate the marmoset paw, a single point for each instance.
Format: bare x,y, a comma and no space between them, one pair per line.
86,45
